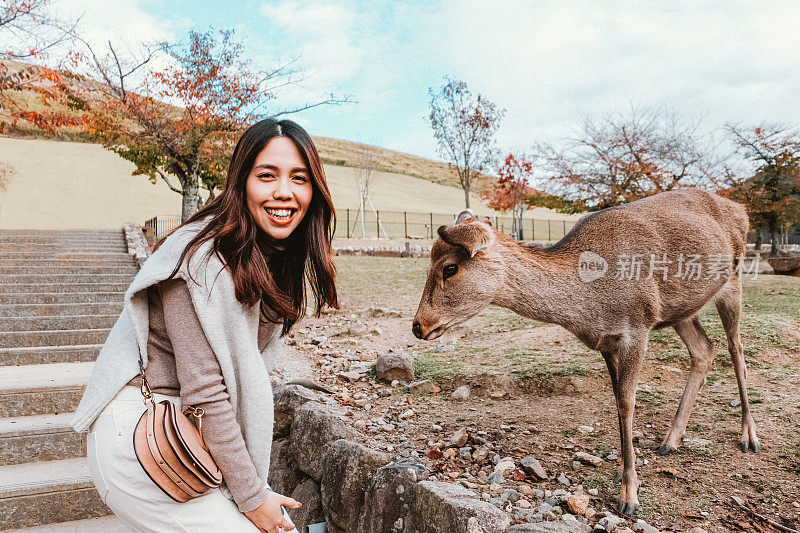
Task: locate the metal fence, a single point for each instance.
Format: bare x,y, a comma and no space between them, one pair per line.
162,225
414,225
403,225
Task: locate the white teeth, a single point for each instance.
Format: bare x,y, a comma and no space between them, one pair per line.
280,213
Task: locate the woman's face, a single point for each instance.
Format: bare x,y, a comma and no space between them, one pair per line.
279,188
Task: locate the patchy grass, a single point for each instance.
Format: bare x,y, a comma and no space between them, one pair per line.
652,398
437,367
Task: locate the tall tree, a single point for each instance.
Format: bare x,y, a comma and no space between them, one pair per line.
464,127
29,30
179,122
510,190
768,183
623,157
365,164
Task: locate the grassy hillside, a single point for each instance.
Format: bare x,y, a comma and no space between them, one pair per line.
70,185
334,152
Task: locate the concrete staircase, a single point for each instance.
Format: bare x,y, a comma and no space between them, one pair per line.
60,294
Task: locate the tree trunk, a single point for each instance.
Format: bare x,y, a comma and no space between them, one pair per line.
466,186
191,197
518,212
759,240
775,238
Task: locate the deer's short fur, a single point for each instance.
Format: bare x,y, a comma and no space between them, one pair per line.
473,266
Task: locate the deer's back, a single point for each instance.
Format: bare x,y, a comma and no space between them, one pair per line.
687,220
669,228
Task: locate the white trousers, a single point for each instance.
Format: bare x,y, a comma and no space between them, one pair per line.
128,491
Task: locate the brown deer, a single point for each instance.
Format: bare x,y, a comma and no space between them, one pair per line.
657,245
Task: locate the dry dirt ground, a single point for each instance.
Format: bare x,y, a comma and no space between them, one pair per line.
537,391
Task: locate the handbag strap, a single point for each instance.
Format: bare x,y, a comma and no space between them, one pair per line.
196,412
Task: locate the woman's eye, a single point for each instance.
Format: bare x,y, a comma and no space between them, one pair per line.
301,177
449,270
266,176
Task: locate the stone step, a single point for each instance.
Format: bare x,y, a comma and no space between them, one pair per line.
21,288
13,339
63,279
45,257
60,310
48,247
35,494
35,355
59,233
27,439
38,298
114,262
61,241
58,269
103,524
57,323
45,389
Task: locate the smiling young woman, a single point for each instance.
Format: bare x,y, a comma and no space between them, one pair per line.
206,314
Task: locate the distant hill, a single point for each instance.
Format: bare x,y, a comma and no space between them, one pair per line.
334,152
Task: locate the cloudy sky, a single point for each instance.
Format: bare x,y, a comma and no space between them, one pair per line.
548,63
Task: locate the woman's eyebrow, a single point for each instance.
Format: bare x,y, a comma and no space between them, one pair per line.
273,167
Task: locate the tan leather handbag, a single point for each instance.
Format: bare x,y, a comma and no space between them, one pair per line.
171,449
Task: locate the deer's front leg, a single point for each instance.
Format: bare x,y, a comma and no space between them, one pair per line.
624,366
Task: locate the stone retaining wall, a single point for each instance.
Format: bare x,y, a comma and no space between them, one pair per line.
137,242
355,489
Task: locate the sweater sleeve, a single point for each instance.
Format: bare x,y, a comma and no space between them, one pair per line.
201,383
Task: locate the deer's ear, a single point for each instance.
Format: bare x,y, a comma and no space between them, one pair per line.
473,236
465,216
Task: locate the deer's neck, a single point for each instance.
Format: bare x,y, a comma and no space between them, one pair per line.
541,285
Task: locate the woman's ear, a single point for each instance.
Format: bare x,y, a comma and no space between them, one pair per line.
474,236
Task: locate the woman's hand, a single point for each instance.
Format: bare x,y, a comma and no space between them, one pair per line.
268,516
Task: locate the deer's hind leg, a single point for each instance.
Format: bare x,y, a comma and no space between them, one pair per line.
729,307
701,350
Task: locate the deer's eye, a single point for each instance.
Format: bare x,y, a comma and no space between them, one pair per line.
449,270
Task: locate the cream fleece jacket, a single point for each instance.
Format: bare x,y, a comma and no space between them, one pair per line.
230,327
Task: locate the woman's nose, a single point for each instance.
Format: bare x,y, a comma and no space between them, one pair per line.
283,191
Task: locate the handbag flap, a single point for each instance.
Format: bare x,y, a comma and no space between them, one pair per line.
184,438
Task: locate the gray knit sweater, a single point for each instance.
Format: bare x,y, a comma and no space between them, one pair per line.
230,327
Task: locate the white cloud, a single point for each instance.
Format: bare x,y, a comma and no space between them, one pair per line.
550,63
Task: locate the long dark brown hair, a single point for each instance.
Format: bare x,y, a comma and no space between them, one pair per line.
261,270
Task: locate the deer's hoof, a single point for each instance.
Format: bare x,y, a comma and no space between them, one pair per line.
665,449
749,445
626,508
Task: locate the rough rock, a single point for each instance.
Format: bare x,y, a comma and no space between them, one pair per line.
551,527
390,497
284,475
347,470
504,466
640,526
578,503
461,393
314,427
395,366
287,398
357,328
446,507
588,459
425,386
308,493
376,312
459,438
533,467
611,522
